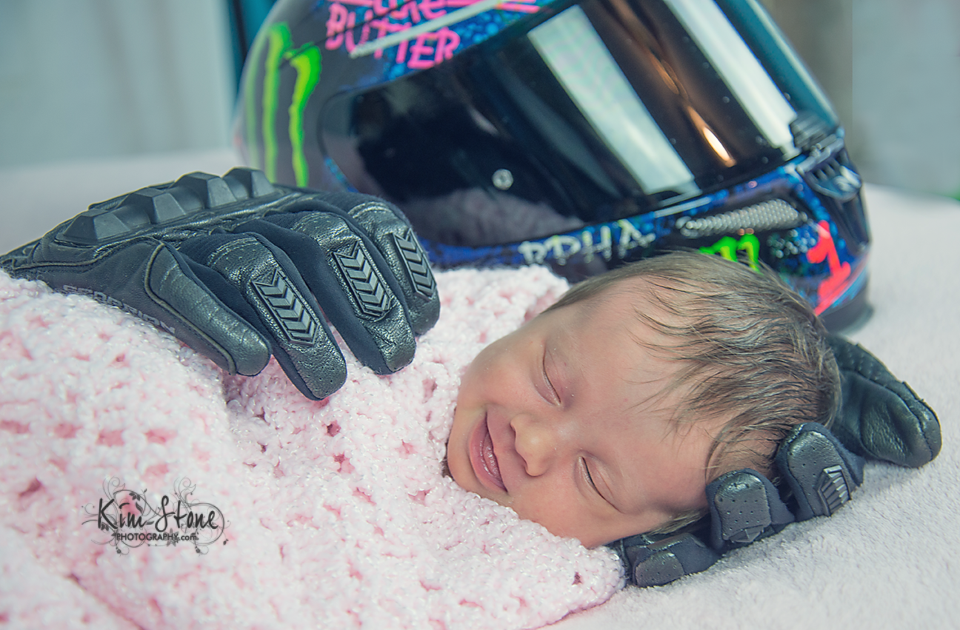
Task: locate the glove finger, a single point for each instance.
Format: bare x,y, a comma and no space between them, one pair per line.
663,561
260,283
205,322
394,238
153,281
744,507
880,417
347,279
818,469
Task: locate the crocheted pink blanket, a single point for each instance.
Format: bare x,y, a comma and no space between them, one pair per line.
141,487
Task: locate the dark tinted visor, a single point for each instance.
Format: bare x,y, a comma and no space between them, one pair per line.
589,112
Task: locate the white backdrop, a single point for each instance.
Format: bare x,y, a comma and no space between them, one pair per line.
86,79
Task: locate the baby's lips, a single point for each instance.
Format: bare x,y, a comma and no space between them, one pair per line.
490,462
483,457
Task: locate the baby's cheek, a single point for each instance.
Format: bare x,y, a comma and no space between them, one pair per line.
546,507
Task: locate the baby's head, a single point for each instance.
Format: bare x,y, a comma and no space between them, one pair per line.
608,414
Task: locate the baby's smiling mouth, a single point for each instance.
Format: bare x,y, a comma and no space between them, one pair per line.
484,457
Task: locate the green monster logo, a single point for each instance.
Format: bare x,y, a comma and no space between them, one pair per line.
306,60
728,247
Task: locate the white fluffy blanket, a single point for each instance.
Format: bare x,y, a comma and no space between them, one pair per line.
332,514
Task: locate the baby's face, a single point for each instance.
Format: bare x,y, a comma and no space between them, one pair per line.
561,422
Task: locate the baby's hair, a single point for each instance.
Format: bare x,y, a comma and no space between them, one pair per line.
749,350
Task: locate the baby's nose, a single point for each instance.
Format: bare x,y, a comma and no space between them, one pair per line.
536,442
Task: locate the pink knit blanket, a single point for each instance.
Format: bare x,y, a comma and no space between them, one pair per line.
142,487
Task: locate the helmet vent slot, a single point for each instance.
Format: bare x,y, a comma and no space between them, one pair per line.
834,177
773,214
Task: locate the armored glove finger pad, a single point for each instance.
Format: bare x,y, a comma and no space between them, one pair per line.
257,281
744,506
395,240
342,269
819,470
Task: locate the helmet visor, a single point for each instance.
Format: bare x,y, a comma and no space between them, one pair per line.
589,112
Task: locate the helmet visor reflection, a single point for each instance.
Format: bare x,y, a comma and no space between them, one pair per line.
599,110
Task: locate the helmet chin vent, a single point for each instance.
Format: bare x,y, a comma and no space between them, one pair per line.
773,214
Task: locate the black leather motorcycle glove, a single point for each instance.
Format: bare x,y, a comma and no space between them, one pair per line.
880,418
239,269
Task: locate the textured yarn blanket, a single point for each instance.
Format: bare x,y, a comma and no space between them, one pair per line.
141,487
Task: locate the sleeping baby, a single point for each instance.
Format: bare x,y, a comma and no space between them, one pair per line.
608,414
642,401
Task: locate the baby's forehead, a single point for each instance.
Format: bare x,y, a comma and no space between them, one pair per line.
637,292
636,351
640,307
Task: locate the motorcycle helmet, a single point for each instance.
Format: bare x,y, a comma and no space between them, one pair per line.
579,134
